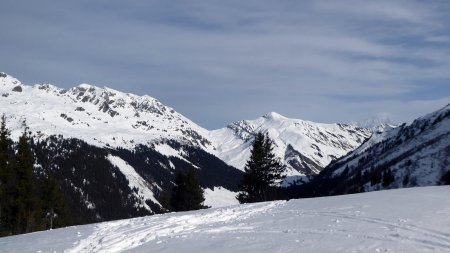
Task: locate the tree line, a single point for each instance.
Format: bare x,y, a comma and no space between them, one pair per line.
28,201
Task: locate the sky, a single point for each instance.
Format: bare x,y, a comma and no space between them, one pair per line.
218,62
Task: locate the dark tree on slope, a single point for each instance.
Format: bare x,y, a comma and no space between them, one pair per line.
445,179
54,206
187,194
388,178
6,213
4,149
262,171
164,200
27,205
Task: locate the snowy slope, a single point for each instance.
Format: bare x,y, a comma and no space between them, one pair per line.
109,118
417,154
219,196
407,220
305,147
140,187
115,121
99,116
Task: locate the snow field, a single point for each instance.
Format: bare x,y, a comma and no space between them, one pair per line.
219,197
404,220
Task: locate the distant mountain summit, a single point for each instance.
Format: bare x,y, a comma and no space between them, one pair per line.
305,147
376,123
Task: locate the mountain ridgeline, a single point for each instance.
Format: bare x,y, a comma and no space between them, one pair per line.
415,154
115,155
304,147
112,154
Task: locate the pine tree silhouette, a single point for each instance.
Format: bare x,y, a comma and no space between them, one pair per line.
262,171
6,200
187,194
26,203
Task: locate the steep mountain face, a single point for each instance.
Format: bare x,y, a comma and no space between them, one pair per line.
106,184
415,154
305,147
100,116
112,153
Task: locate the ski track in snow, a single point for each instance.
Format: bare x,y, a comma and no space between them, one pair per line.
127,234
404,220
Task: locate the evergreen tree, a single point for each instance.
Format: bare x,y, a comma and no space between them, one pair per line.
262,171
54,207
5,180
375,178
4,149
356,183
388,178
187,194
26,202
164,200
445,178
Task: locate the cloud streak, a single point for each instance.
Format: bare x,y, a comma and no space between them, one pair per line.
221,61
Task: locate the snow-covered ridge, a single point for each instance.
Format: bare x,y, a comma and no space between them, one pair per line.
375,123
99,116
304,146
417,153
109,118
406,220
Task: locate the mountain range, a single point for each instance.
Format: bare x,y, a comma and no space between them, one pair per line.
116,153
412,154
104,117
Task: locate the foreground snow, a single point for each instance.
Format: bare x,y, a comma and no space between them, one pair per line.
405,220
219,197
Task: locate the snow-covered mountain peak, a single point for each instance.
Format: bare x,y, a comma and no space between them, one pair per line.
269,122
376,123
8,82
110,99
87,86
274,116
305,147
100,116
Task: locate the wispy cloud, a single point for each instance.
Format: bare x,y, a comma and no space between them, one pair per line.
241,58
